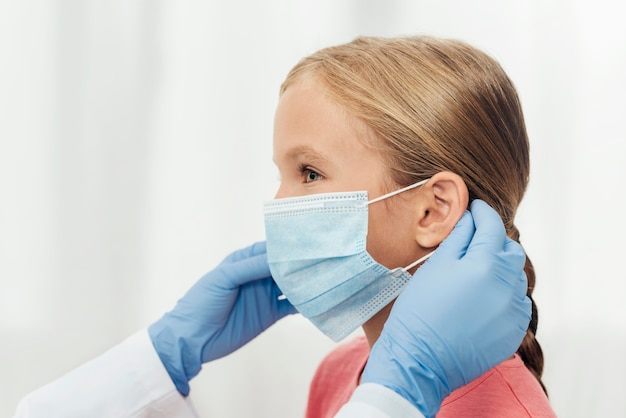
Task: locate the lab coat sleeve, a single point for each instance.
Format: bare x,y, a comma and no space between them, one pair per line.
129,380
370,400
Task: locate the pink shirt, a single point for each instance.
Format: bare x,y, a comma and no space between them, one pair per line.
508,390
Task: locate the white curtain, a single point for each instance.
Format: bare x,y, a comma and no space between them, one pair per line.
135,152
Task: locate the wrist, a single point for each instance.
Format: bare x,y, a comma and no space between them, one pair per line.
174,352
411,373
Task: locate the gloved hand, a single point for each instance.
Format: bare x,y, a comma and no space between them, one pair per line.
224,310
464,312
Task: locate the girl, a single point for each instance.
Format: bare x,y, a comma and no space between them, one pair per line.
378,115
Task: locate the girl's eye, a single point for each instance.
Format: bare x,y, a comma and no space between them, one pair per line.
310,175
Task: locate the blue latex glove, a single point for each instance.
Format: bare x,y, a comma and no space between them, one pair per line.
464,312
224,310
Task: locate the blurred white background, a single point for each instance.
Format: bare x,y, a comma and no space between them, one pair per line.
135,153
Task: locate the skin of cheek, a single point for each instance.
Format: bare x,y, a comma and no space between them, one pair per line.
390,239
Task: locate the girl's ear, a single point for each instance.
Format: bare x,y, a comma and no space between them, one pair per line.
441,204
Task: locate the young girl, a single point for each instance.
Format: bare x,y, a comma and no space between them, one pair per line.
378,115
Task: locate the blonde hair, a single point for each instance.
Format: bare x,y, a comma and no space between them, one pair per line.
436,105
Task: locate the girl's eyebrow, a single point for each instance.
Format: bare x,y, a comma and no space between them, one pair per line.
305,151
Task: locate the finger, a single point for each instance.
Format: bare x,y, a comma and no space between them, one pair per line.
283,306
521,285
245,270
250,251
455,245
490,233
527,306
515,256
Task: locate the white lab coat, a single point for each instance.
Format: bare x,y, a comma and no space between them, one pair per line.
129,380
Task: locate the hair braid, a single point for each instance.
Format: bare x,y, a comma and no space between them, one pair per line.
530,350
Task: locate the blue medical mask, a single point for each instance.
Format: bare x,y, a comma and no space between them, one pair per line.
316,250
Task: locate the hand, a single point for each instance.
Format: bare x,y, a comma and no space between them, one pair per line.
464,312
224,310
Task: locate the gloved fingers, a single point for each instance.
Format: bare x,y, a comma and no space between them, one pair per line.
527,307
522,316
250,251
262,298
521,285
244,271
514,250
515,256
455,245
490,232
283,306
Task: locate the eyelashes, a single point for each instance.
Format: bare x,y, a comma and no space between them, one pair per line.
303,172
309,174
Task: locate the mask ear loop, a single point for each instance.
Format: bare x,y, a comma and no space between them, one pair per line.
385,196
421,260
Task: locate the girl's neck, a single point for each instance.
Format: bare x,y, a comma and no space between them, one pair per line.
374,326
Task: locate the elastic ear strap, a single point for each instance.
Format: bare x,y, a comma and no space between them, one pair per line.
385,196
421,260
